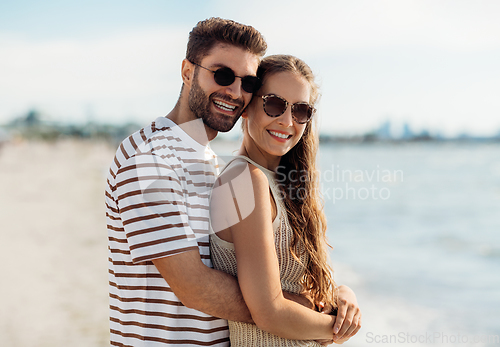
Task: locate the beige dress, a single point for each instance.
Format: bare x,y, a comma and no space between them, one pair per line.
291,271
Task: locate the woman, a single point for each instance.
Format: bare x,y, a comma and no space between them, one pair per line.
270,232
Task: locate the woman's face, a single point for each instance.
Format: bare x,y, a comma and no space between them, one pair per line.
276,136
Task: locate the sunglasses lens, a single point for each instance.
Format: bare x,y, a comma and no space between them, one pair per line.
224,76
250,84
274,106
302,113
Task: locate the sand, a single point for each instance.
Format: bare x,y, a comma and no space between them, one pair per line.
53,251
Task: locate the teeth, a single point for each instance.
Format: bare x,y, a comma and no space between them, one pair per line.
280,135
224,106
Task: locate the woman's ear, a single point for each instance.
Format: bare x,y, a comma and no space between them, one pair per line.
187,72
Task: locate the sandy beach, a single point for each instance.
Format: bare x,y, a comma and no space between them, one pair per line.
54,288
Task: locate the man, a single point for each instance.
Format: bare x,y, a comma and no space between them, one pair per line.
162,287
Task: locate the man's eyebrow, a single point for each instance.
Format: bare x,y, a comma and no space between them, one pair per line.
218,65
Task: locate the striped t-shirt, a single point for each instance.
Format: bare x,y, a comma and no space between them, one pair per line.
157,200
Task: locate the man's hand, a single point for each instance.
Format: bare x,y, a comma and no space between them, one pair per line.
348,320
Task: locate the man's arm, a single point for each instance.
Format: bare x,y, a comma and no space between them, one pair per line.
202,288
207,290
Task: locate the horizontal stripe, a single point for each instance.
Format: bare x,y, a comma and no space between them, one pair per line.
196,161
129,263
147,204
112,217
143,165
169,341
110,227
150,191
118,344
165,254
163,314
108,196
112,208
163,137
202,231
158,241
119,251
114,239
156,288
147,300
152,216
159,227
198,218
166,328
133,275
201,184
146,178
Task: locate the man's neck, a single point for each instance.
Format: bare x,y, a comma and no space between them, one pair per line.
191,125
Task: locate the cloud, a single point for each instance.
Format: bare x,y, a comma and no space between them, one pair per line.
68,75
317,27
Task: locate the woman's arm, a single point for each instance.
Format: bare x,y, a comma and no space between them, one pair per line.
258,270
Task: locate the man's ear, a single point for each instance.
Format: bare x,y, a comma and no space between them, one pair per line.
187,72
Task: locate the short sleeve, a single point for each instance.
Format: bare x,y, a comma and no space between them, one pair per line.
152,206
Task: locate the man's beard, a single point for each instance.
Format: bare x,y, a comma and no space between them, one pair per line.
200,105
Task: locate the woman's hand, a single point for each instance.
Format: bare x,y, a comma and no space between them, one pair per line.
348,320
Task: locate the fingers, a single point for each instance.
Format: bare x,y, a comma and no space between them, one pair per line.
354,328
341,314
349,319
325,308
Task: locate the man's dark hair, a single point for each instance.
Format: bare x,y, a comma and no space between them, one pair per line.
207,33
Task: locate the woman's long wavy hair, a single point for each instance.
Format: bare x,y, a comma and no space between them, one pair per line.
300,189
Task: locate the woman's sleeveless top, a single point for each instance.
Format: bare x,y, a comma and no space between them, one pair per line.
291,271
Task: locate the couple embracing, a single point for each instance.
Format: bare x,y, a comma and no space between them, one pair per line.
206,256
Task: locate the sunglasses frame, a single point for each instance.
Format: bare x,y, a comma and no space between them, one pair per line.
256,85
267,96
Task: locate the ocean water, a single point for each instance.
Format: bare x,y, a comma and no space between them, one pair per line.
416,227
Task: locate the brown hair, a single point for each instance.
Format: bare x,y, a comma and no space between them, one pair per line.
301,195
215,30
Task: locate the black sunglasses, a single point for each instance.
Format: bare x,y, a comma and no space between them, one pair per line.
275,106
224,76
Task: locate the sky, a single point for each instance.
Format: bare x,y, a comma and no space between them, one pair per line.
433,64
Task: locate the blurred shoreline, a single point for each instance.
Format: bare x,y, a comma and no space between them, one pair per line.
34,126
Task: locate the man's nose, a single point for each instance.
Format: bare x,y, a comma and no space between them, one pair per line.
234,89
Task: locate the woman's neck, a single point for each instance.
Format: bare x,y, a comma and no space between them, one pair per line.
251,150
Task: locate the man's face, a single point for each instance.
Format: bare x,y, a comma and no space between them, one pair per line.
220,107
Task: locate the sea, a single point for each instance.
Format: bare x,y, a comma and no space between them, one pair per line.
415,232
